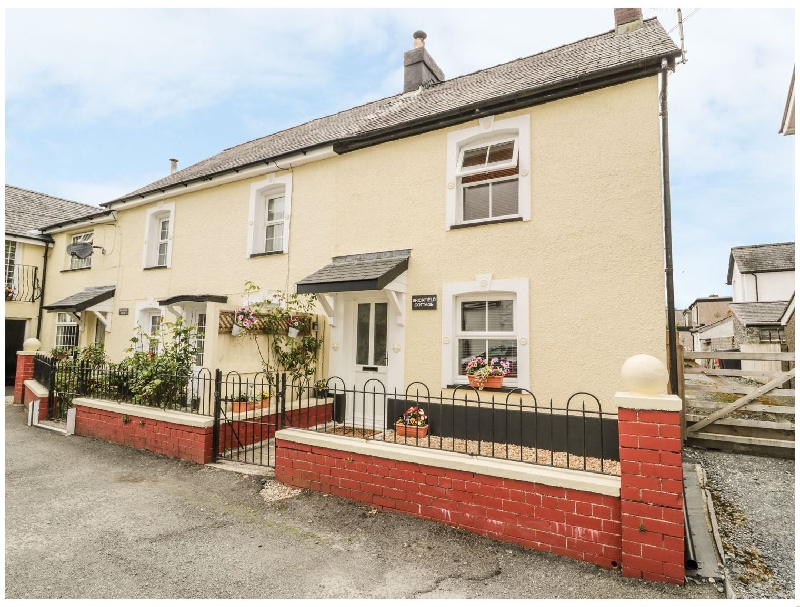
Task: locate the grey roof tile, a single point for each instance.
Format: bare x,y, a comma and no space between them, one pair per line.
580,59
363,268
773,257
26,210
83,299
759,312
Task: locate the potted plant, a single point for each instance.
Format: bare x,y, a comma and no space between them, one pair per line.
413,423
263,398
9,293
242,403
59,353
294,322
243,318
484,373
321,388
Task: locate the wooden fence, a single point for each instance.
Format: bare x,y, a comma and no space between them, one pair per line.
739,409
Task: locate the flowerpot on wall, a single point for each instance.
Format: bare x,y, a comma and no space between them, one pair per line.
235,330
293,332
238,406
494,381
411,431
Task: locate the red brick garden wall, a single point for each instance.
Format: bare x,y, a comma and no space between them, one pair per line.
174,440
251,430
578,524
28,396
24,372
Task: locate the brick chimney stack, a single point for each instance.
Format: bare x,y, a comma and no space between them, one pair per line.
627,19
419,68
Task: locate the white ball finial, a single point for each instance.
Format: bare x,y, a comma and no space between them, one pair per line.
31,345
645,374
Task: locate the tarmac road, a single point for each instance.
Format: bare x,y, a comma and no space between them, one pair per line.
90,519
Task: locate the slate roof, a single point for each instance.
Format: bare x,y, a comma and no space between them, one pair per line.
759,312
774,257
83,299
27,210
573,65
716,323
361,272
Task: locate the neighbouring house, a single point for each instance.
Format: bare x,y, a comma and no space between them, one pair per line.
706,310
26,212
458,217
762,277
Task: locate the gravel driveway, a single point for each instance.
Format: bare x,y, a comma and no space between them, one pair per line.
90,519
754,502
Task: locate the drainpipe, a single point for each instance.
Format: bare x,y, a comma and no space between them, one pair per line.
41,294
755,276
673,349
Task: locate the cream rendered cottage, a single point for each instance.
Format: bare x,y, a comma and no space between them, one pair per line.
496,212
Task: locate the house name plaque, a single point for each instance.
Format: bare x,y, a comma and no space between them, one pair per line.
122,311
423,302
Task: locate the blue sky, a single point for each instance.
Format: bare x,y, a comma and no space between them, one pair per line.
98,101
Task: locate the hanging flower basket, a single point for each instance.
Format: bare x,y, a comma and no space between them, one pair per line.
293,332
235,330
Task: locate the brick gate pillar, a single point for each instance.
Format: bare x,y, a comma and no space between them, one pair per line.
24,367
651,473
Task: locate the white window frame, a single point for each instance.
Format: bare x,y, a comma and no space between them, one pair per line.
63,320
488,131
145,311
487,168
76,263
485,335
11,255
482,288
152,234
200,339
260,192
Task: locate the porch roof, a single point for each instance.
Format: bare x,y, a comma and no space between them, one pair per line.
82,300
361,272
169,301
756,313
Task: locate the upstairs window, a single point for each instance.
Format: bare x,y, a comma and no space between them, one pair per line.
771,336
74,262
275,217
269,216
163,241
11,260
488,172
488,181
158,236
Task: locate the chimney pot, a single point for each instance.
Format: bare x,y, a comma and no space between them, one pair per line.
627,19
173,165
419,68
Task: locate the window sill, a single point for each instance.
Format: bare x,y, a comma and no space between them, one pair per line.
155,268
76,269
458,226
265,254
466,386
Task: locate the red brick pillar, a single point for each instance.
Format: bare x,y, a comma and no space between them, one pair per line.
651,485
24,373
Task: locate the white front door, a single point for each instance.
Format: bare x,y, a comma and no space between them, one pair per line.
370,361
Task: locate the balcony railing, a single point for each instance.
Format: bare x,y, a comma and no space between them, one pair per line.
22,283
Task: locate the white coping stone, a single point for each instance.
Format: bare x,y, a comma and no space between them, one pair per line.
531,473
39,391
174,417
662,402
24,353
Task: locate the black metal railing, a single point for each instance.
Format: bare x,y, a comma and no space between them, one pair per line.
22,283
190,392
43,369
510,425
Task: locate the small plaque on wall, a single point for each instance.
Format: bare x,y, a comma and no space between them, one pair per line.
122,311
423,302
